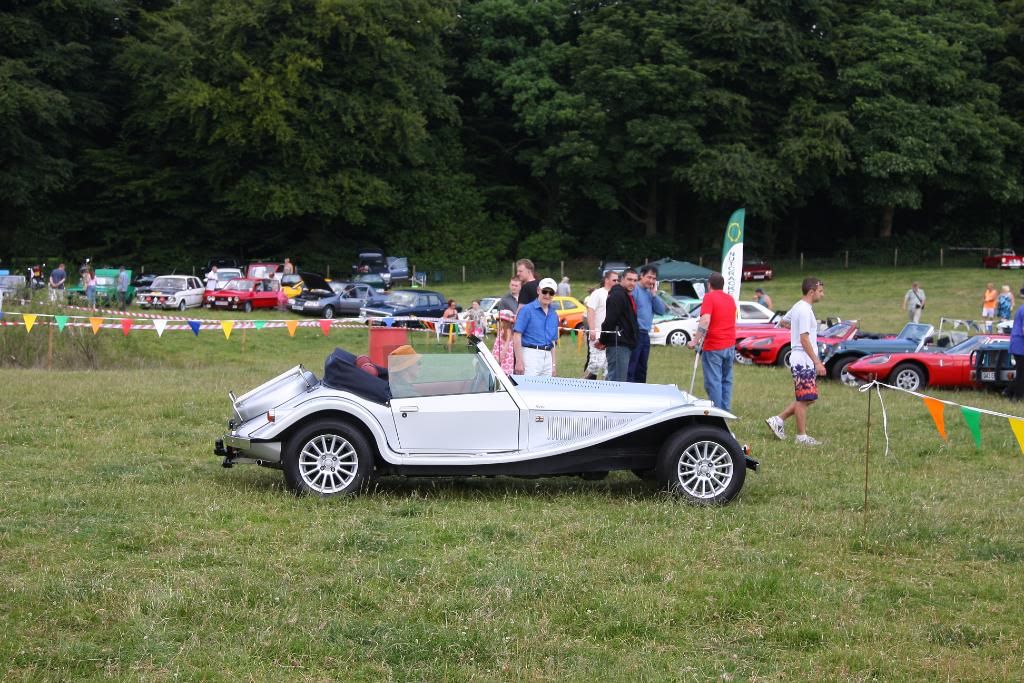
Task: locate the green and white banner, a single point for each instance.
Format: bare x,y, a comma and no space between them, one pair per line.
732,254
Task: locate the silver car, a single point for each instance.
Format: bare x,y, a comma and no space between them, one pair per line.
458,414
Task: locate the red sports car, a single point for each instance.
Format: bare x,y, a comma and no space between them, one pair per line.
772,347
931,366
1007,259
245,294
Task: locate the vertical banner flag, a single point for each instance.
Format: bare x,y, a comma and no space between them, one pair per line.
732,254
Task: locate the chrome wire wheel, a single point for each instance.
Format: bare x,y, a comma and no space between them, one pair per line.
328,463
705,470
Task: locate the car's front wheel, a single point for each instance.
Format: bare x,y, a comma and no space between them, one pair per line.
909,376
247,307
181,305
327,458
677,338
839,367
702,464
784,359
328,311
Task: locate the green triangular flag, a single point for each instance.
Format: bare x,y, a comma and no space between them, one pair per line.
259,324
973,419
62,320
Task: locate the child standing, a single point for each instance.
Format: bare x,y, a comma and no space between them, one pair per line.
504,349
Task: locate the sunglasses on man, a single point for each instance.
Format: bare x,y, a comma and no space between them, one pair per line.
549,292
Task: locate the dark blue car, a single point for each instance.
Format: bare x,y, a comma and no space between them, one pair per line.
403,303
837,357
992,365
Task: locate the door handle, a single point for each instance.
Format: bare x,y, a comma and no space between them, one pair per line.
405,410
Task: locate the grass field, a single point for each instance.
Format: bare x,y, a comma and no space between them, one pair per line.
128,553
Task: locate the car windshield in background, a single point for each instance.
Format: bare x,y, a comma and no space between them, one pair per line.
239,285
402,299
228,274
260,272
339,287
914,331
291,279
966,346
837,330
173,283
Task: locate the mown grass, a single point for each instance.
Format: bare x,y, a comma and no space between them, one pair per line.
128,553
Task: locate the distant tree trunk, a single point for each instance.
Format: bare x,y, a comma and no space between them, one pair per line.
885,228
671,206
651,219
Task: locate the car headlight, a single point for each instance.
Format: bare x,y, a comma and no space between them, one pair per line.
763,341
878,360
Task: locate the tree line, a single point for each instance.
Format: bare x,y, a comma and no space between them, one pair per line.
476,131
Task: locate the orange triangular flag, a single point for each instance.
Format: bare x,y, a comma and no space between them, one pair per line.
95,322
227,326
126,324
1017,425
291,325
935,407
30,320
325,325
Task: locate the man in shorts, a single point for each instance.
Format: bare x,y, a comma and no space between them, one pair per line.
805,364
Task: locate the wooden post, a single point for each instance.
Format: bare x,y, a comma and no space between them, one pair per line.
895,257
463,274
561,268
801,260
328,270
867,454
49,348
513,269
846,260
941,255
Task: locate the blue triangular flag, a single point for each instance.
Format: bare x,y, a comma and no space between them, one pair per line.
194,324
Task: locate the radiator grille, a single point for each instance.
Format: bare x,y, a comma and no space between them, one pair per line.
569,427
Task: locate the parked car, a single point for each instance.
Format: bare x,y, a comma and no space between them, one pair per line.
772,347
398,269
932,366
462,416
330,299
245,294
403,303
489,305
992,365
837,357
173,291
264,270
374,280
14,287
572,315
224,276
679,331
756,268
292,284
610,265
106,288
1005,259
144,281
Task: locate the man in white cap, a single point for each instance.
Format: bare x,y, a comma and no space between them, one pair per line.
535,333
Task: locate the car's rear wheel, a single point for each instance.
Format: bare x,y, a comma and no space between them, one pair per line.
328,311
327,458
677,338
703,465
785,357
839,367
247,307
909,376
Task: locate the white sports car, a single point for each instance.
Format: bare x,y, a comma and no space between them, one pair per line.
458,414
679,331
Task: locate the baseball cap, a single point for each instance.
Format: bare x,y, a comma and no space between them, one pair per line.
547,283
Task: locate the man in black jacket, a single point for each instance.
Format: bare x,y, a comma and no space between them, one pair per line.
619,331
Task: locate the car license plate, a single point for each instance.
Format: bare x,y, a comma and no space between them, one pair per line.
220,303
988,376
758,276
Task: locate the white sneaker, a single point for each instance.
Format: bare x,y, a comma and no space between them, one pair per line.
776,424
807,440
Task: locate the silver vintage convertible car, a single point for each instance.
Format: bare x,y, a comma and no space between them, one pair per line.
458,414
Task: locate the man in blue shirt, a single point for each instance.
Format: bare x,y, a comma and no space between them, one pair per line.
535,333
645,294
1016,390
122,287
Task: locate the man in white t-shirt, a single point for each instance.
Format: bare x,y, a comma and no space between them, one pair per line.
805,364
597,306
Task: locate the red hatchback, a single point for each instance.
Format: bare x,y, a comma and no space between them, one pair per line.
1007,259
245,294
757,269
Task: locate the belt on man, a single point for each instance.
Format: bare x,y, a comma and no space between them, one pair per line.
537,348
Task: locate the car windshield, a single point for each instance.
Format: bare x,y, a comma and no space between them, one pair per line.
291,279
837,330
966,346
673,306
402,299
239,285
172,283
439,375
228,274
489,302
914,332
339,287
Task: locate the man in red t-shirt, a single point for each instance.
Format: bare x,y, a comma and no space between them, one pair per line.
716,338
